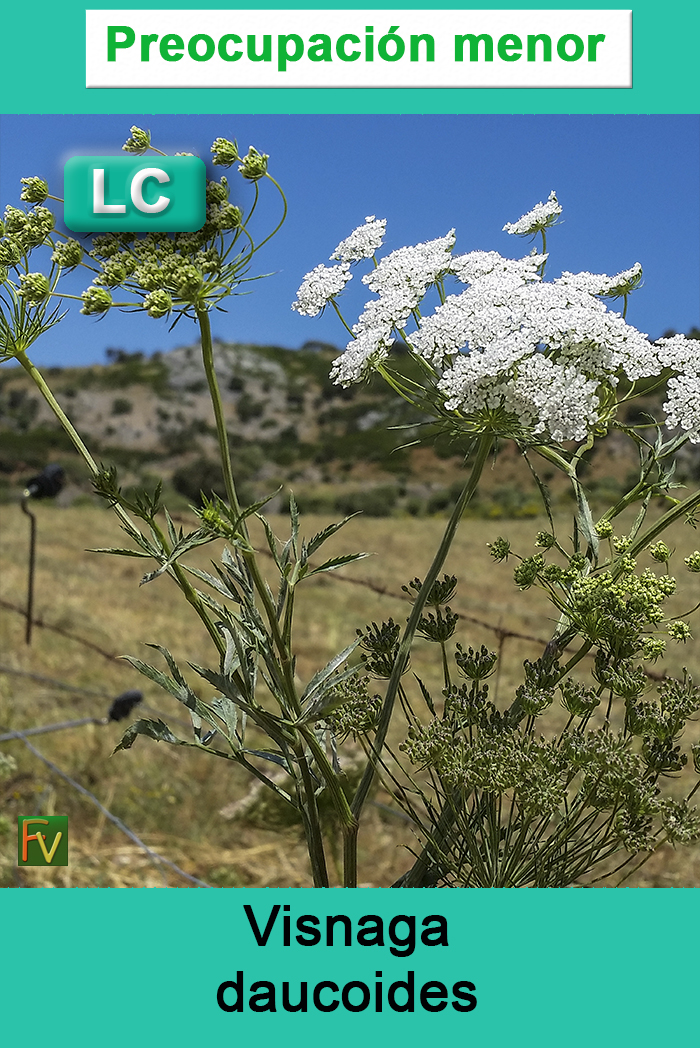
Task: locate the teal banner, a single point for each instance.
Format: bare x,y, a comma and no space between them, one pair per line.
45,69
488,967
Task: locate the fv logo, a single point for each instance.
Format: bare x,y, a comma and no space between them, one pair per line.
42,841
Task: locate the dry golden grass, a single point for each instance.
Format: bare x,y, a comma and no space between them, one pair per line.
172,798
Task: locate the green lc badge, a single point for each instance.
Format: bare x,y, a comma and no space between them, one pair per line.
108,194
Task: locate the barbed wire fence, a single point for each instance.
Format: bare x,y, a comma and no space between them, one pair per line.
502,636
155,857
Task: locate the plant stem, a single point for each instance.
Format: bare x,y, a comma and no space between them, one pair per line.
124,517
39,381
483,450
190,593
227,467
312,822
217,404
342,808
670,517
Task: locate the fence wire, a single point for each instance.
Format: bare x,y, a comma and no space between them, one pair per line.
153,856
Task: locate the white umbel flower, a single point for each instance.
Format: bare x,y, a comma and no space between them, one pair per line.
600,284
360,357
679,353
318,288
560,400
538,354
682,407
541,217
412,269
477,264
362,242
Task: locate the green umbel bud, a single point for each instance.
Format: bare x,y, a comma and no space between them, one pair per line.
113,273
10,252
158,303
603,529
189,281
660,551
68,255
228,217
34,288
35,190
679,630
96,300
105,245
217,192
254,165
692,562
527,571
653,648
477,664
381,643
139,142
40,222
442,591
224,152
150,276
500,549
439,627
15,220
579,700
208,261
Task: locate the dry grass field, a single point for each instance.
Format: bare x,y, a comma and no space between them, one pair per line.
93,610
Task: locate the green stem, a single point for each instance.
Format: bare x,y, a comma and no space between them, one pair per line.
483,451
582,651
281,222
342,319
190,593
348,822
227,467
217,404
40,382
312,822
445,666
124,517
286,659
340,801
670,517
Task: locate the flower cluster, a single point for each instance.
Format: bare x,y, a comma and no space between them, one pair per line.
24,230
172,271
139,142
160,273
542,356
355,711
541,217
319,287
380,644
363,242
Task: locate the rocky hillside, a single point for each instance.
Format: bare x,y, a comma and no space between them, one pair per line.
340,450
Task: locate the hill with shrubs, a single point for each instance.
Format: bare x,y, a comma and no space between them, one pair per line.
339,450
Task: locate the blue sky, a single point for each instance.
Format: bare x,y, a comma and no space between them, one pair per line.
629,186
